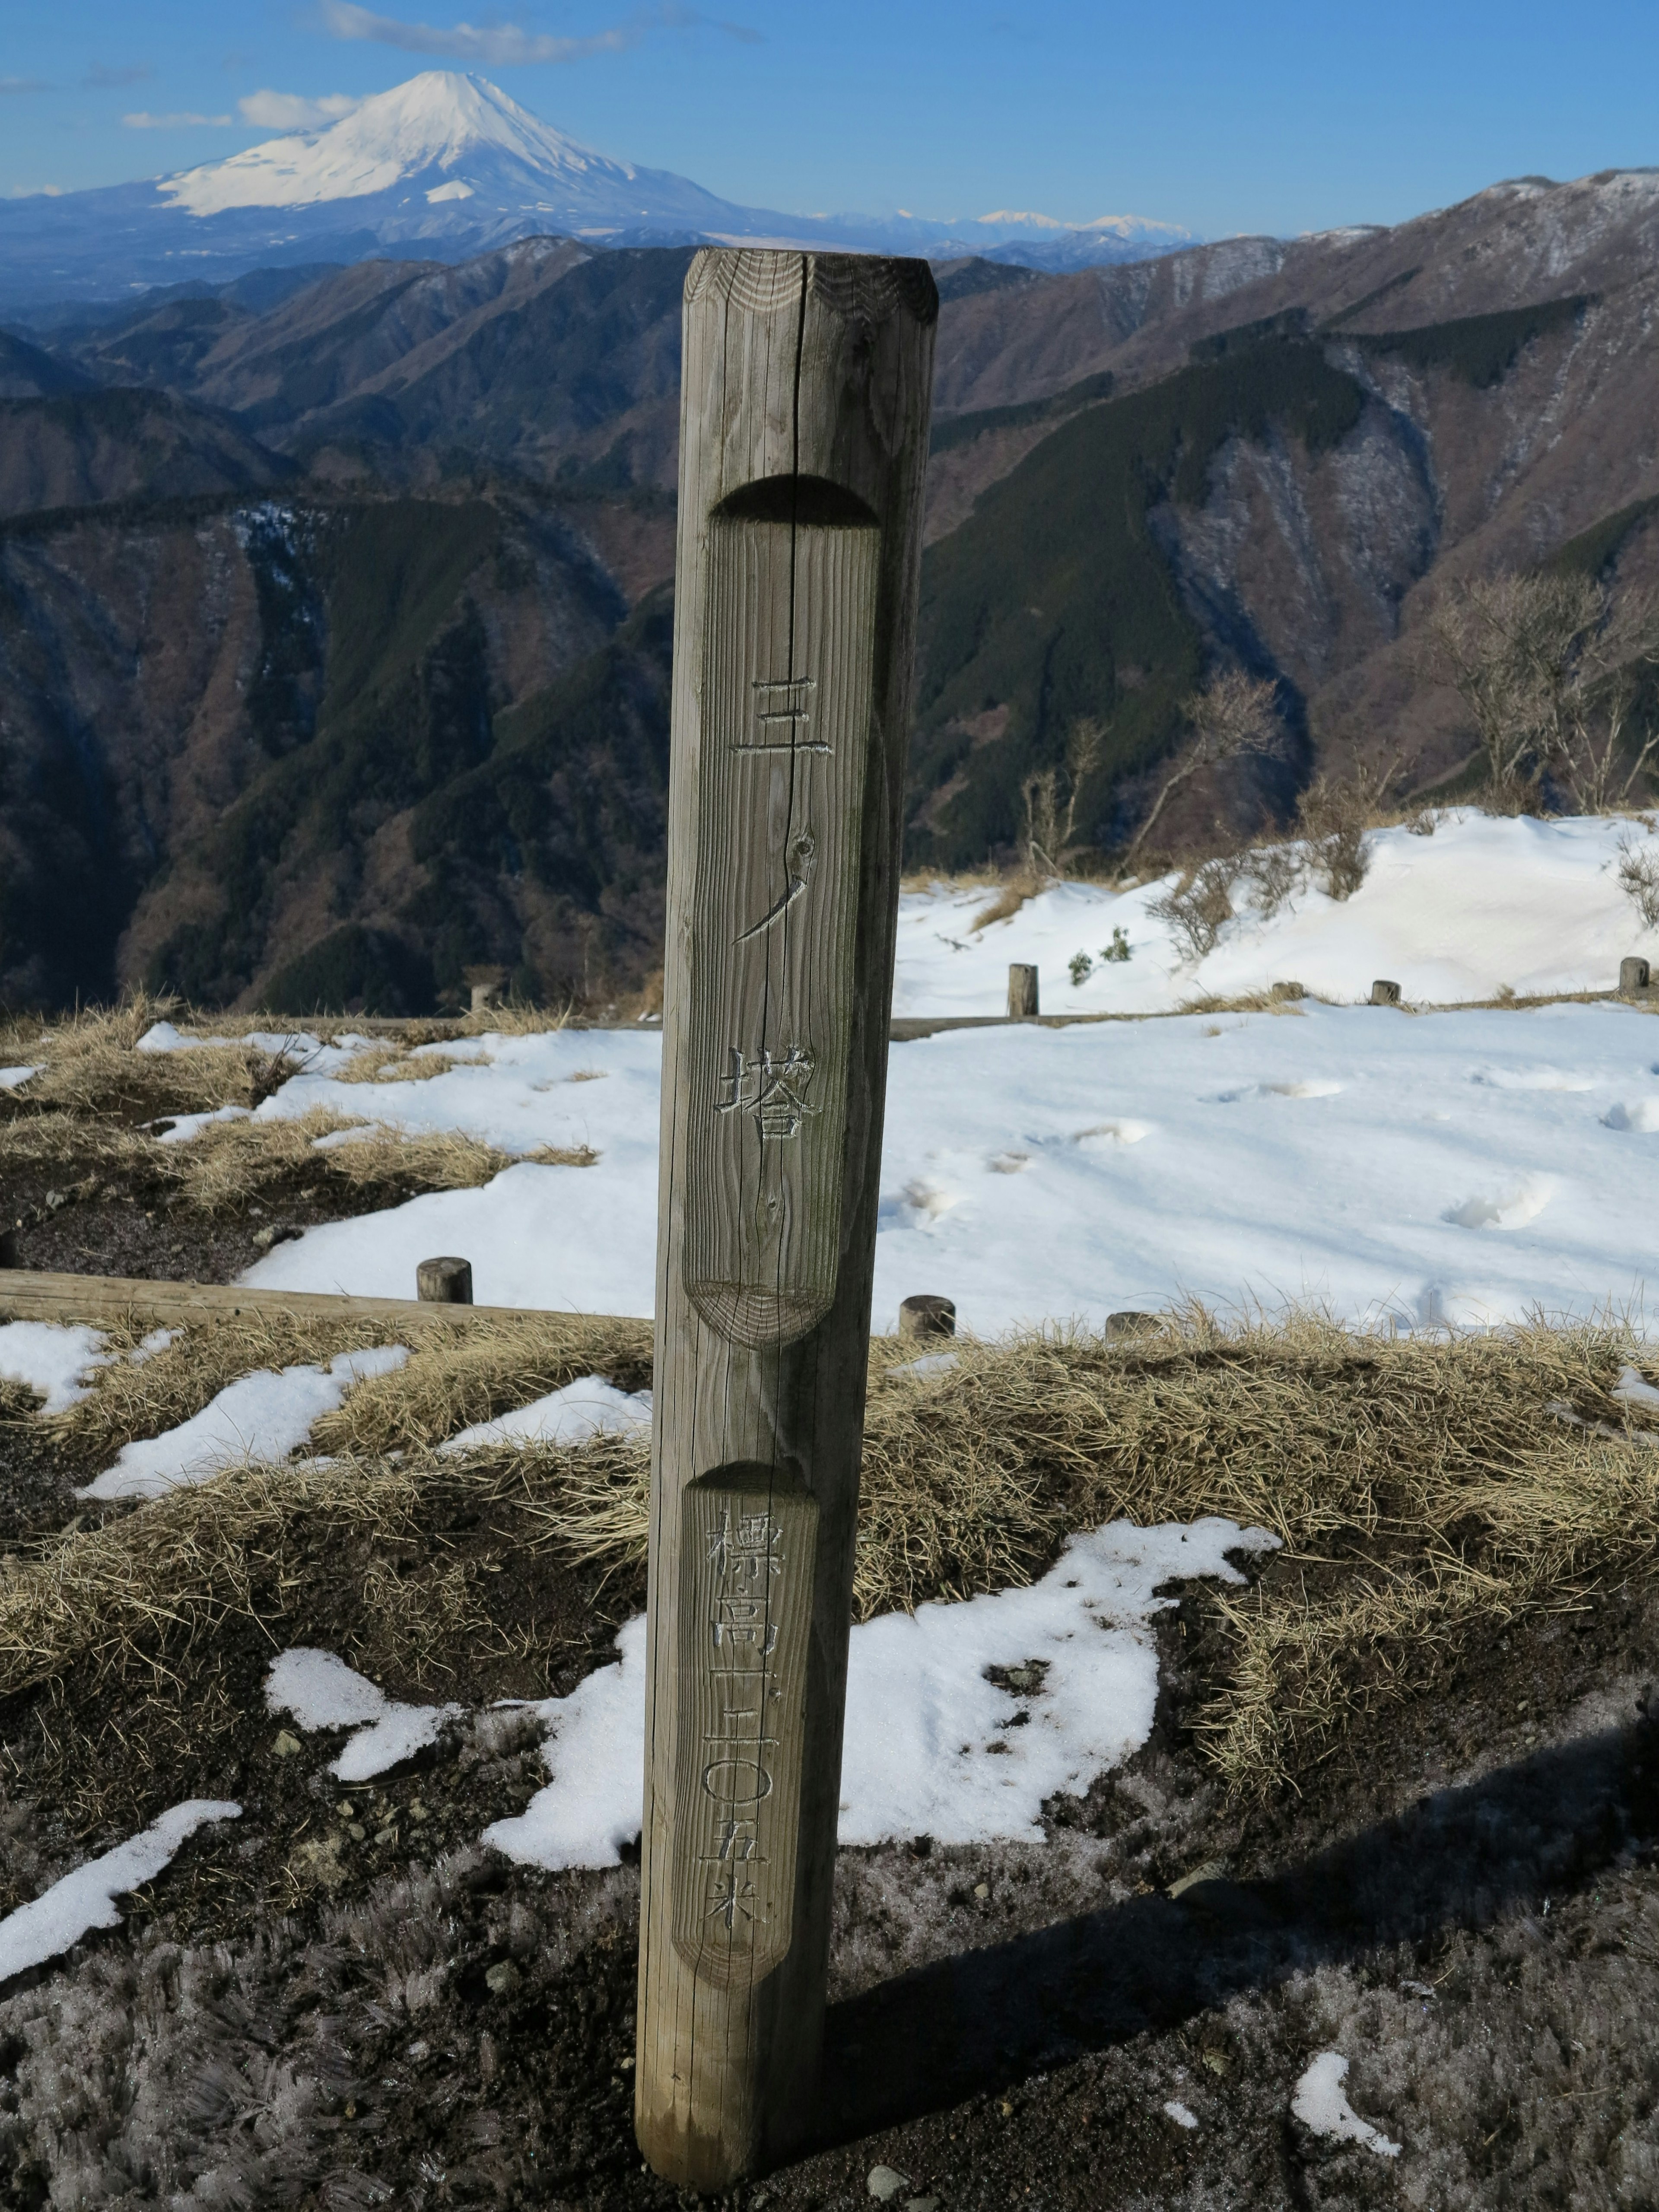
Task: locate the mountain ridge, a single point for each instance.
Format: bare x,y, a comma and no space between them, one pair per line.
1265,454
448,166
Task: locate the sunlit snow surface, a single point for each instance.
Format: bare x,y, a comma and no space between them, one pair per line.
572,1415
262,1416
1484,904
933,1746
86,1899
1465,1167
318,1690
51,1358
1461,1167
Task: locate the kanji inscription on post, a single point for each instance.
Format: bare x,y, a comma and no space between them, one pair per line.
786,731
745,1604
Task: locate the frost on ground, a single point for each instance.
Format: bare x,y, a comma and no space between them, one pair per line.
51,1359
319,1691
1321,2103
263,1416
86,1899
962,1719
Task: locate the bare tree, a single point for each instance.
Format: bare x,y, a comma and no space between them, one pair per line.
1231,714
1549,669
1050,823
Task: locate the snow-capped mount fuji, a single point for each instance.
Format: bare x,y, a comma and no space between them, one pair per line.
448,142
444,167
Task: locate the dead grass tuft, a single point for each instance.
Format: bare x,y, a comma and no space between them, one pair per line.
1423,1491
453,1377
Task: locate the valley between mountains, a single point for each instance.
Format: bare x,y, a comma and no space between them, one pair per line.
336,602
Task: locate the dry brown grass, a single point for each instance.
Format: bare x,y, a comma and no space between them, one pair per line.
454,1377
89,1066
1422,1489
228,1164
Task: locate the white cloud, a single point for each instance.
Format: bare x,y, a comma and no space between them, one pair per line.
23,84
502,44
292,111
498,43
145,121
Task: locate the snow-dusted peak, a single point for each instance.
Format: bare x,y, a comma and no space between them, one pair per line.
441,120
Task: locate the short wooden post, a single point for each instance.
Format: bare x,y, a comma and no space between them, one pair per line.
927,1315
1633,977
1385,993
1022,992
485,985
804,421
444,1282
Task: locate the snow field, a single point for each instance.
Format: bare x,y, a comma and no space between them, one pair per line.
1464,1168
1486,902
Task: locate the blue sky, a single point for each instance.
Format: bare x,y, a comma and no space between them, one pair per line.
1285,116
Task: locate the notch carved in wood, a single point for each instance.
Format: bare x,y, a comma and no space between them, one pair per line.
745,1608
787,684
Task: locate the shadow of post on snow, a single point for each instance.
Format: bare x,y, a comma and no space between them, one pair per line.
988,2019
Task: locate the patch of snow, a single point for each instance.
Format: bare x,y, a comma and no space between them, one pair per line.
184,1126
1634,1387
596,1752
263,1416
53,1359
1179,2114
932,1746
11,1077
1320,2102
573,1415
317,1689
85,1900
931,1363
297,1044
157,1341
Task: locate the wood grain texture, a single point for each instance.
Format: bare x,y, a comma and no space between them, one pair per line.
32,1294
803,438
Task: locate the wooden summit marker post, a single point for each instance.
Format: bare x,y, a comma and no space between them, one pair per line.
804,422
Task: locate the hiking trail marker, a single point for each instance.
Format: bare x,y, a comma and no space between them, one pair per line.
804,419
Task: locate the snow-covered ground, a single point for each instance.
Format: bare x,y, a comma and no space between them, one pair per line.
1484,902
1463,1166
1466,1166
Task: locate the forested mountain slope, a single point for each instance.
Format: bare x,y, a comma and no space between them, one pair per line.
348,668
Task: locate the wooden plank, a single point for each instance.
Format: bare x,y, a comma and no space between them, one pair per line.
804,439
28,1295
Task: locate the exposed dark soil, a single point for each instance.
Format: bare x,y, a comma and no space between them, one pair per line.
343,1999
78,1220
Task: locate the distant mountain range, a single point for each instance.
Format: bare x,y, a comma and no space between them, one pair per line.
447,166
336,604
